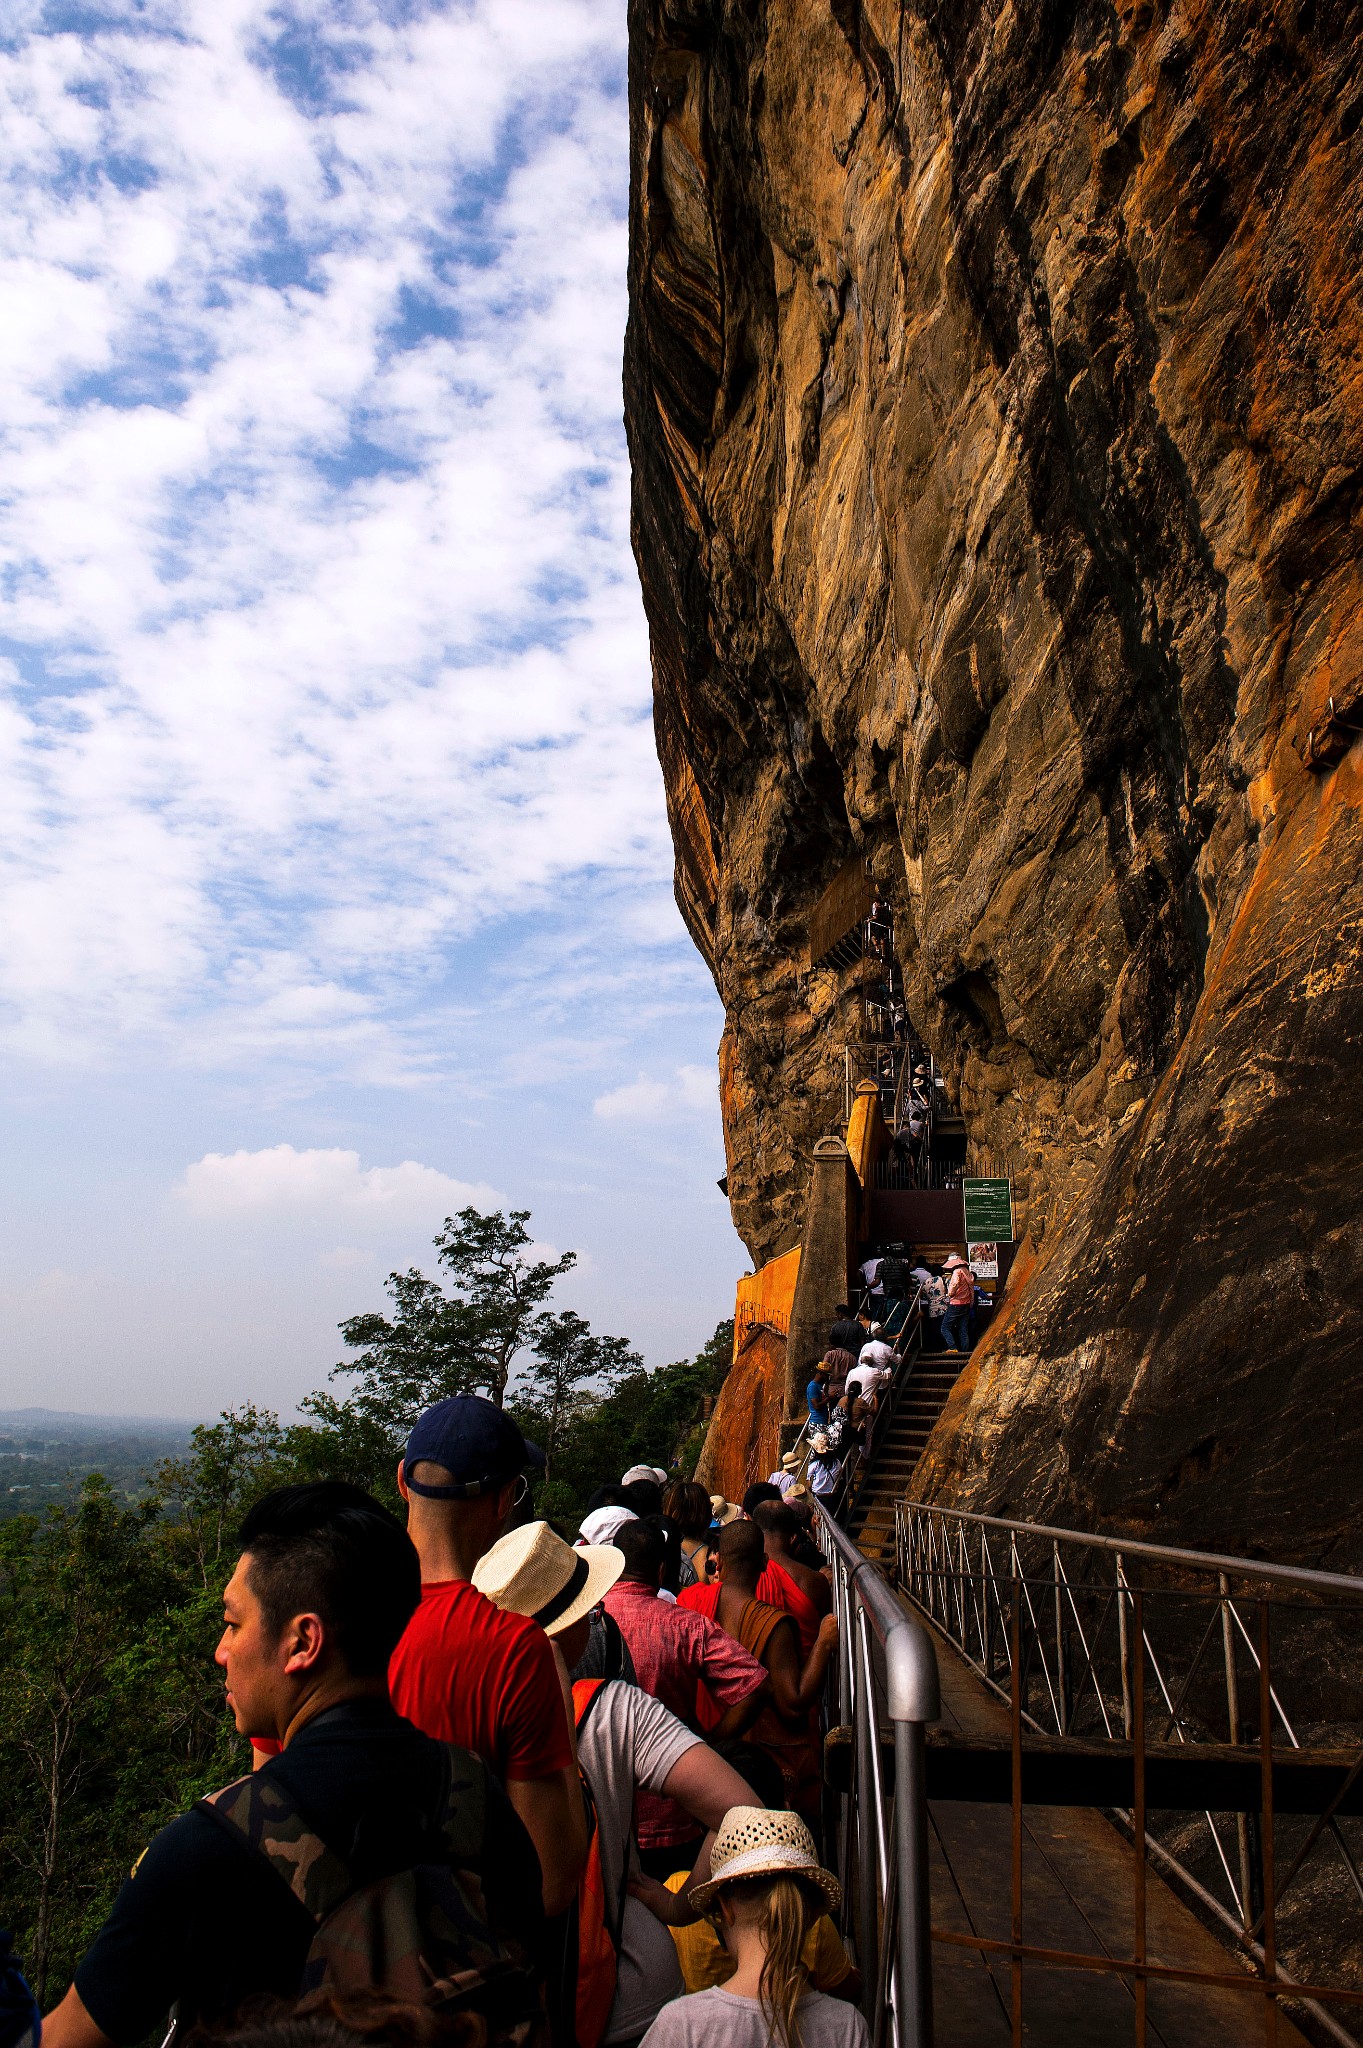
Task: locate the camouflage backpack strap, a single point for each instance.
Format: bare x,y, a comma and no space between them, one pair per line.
462,1805
261,1815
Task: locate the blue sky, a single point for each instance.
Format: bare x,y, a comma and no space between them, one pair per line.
334,873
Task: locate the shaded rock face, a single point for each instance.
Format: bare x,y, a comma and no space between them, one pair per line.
994,383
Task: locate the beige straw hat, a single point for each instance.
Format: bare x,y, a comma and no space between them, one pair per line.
791,1460
755,1843
532,1571
724,1510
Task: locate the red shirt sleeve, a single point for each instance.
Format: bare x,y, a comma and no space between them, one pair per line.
533,1719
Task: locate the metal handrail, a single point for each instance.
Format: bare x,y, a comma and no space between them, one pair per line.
1202,1560
894,1934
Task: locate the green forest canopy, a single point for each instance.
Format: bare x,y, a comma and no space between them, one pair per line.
112,1717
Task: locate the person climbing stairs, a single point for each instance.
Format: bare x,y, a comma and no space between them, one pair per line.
871,1514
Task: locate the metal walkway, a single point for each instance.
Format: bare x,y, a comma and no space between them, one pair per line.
1078,1897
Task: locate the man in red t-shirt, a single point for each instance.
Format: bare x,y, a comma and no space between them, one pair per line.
467,1672
673,1652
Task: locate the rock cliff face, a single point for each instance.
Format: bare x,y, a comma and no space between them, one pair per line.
994,381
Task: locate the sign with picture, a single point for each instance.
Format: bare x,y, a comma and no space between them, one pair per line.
988,1211
984,1261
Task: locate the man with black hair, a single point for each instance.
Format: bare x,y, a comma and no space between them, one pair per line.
674,1654
325,1586
847,1334
760,1491
645,1496
464,1671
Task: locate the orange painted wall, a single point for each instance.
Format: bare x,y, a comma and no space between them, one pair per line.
766,1297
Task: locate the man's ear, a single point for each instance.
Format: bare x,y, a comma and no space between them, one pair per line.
402,1482
304,1643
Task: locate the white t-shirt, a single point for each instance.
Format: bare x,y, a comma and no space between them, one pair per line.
865,1379
870,1273
719,2019
878,1354
632,1740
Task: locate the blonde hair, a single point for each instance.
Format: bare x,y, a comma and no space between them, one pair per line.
783,1909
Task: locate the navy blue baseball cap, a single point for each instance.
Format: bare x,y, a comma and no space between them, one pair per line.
479,1446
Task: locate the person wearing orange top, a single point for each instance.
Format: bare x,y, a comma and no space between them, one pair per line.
787,1727
804,1593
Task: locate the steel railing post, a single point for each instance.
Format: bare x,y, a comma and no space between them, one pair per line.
914,2013
1233,1718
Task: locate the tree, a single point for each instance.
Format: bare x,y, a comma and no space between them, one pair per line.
232,1461
566,1356
88,1673
457,1342
647,1417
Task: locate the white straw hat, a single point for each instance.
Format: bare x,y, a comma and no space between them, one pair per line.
723,1510
755,1843
531,1570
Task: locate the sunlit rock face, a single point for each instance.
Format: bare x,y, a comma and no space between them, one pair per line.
994,381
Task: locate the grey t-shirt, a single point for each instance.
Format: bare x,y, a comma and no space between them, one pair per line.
717,2019
632,1740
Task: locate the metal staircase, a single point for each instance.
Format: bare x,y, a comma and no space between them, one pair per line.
928,1378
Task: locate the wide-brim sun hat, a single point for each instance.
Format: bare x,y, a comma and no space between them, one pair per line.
819,1443
753,1842
724,1511
791,1460
532,1571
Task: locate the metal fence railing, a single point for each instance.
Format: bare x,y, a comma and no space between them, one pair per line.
886,1671
1220,1702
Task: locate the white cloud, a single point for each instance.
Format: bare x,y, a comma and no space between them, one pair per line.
324,1183
326,645
691,1091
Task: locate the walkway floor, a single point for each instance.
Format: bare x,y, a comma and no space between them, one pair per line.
1077,1895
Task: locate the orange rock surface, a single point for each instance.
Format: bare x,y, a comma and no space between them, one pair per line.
743,1442
994,384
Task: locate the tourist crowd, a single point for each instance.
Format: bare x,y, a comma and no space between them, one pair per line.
508,1788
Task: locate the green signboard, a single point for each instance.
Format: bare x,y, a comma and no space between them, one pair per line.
988,1211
